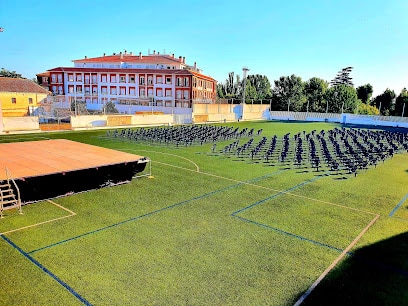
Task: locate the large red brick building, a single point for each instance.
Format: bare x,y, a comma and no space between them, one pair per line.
125,78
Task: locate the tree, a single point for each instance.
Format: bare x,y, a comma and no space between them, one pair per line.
315,90
364,93
10,74
220,91
401,104
110,108
232,85
258,87
366,109
78,107
385,102
343,77
341,98
288,93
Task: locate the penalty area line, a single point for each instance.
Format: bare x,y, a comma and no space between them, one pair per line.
335,262
71,214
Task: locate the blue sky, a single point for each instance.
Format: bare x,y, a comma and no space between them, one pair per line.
314,38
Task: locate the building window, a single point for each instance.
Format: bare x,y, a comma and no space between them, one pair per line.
60,78
142,80
132,79
186,82
30,100
104,90
94,79
94,89
186,97
113,90
159,80
87,90
60,90
13,100
53,78
122,79
79,77
131,91
113,78
103,78
168,92
179,82
123,91
71,89
142,92
150,92
159,92
79,89
70,77
178,94
150,80
168,80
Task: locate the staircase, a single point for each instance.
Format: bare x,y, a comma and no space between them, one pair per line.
8,199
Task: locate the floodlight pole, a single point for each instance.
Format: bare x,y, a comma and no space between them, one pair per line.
244,72
403,110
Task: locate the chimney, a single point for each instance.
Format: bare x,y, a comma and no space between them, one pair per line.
140,55
180,59
172,55
125,52
195,65
158,53
154,52
104,54
184,60
131,53
86,57
121,55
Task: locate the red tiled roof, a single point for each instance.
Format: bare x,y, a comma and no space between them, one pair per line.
118,58
20,85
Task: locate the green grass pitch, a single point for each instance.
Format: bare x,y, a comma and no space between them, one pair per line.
212,229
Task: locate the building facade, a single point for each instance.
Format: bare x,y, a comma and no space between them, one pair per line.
20,97
128,79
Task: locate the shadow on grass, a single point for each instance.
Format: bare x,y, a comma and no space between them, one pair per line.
373,275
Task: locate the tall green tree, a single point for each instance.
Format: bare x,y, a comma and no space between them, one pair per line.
343,77
341,98
220,91
385,102
315,91
401,104
258,87
288,93
10,74
364,93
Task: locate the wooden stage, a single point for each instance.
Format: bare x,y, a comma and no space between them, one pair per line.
43,157
49,168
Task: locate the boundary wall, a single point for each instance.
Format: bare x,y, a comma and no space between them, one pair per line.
19,124
386,121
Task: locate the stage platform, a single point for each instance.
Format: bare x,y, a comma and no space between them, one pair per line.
49,168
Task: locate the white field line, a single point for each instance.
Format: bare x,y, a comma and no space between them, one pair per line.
335,262
197,167
71,214
275,190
